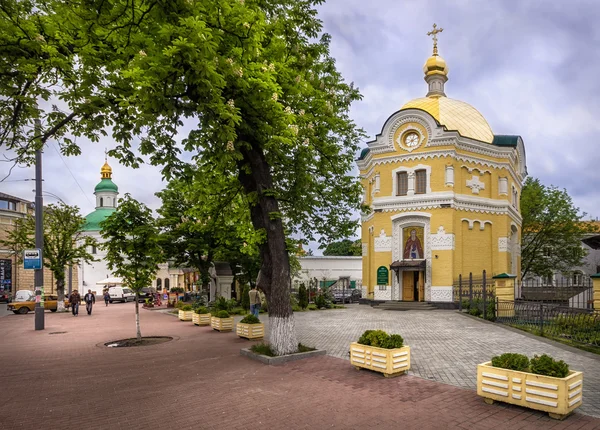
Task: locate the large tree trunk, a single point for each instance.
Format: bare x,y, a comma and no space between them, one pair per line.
60,291
137,316
274,275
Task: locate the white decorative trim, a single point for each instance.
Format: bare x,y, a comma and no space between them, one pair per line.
472,169
503,186
411,178
449,177
475,184
398,223
383,243
365,250
441,294
503,244
383,294
442,241
481,223
402,132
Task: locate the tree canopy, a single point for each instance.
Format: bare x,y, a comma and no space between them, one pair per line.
552,230
344,247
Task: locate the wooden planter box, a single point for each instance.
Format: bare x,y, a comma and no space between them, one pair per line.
186,315
201,319
390,362
250,331
222,324
557,396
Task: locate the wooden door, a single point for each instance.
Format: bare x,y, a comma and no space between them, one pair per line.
421,286
408,286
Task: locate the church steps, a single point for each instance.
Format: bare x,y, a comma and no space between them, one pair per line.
406,306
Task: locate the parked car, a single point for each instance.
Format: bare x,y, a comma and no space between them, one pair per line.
5,296
121,294
147,293
22,307
346,296
23,295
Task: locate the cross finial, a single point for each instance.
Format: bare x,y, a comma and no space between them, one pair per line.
434,33
106,155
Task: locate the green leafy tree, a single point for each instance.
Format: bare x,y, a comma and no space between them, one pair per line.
264,99
302,296
552,230
64,242
245,302
344,247
132,247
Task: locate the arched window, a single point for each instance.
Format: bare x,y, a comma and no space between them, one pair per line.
158,284
101,202
166,283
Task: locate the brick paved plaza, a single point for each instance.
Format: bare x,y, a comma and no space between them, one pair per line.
199,380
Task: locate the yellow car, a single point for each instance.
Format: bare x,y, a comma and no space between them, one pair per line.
50,303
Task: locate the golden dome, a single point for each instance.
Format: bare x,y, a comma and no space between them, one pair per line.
435,65
455,115
106,171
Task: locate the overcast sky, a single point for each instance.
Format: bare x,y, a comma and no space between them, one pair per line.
528,66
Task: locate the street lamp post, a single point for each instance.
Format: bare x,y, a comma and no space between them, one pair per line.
39,233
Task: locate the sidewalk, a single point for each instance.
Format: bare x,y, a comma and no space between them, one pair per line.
200,381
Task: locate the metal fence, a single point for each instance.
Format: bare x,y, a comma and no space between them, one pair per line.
475,295
581,326
573,292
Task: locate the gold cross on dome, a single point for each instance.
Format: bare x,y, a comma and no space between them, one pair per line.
434,33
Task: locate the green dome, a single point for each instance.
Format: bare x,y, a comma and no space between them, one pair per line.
106,185
93,220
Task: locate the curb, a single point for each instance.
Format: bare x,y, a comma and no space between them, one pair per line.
282,359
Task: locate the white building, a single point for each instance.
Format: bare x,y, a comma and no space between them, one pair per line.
328,269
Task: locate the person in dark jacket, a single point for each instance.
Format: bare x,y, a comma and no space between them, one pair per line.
90,299
106,297
75,299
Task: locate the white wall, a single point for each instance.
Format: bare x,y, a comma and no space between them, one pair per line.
90,273
329,268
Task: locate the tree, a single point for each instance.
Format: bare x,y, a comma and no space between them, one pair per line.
64,242
265,102
344,247
303,296
552,230
132,247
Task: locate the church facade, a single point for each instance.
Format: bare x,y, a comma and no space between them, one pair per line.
443,192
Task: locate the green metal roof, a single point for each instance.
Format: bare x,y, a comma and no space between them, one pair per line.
505,140
504,276
106,185
597,275
93,220
364,153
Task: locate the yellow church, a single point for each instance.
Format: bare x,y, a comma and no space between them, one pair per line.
444,192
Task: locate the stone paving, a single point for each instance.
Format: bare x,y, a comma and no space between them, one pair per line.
445,346
64,378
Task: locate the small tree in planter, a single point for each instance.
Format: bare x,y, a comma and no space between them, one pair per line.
221,321
376,350
201,316
250,327
185,312
541,383
302,297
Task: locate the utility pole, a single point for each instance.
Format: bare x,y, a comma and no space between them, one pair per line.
39,232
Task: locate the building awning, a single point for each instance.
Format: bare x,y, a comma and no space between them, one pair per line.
408,265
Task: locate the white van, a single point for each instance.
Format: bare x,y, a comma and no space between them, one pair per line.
121,294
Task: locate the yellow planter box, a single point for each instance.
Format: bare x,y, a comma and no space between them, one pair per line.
390,362
201,319
185,315
250,331
557,396
221,324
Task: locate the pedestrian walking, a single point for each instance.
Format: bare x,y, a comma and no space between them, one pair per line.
75,299
106,297
254,301
90,299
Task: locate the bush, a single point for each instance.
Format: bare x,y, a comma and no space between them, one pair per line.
246,297
511,361
262,349
548,366
293,300
231,303
380,339
180,305
490,314
320,301
466,304
312,307
221,314
220,304
302,297
176,290
201,310
296,308
238,311
250,319
186,308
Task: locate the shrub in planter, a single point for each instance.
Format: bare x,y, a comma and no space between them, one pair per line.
187,308
221,320
201,310
250,327
185,312
180,305
201,316
221,314
541,383
382,352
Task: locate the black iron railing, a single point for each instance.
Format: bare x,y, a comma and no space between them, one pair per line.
475,296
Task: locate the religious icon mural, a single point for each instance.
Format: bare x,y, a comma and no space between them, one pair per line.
413,243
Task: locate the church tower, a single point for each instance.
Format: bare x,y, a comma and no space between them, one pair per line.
444,196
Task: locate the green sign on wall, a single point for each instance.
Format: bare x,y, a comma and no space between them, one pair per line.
383,275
